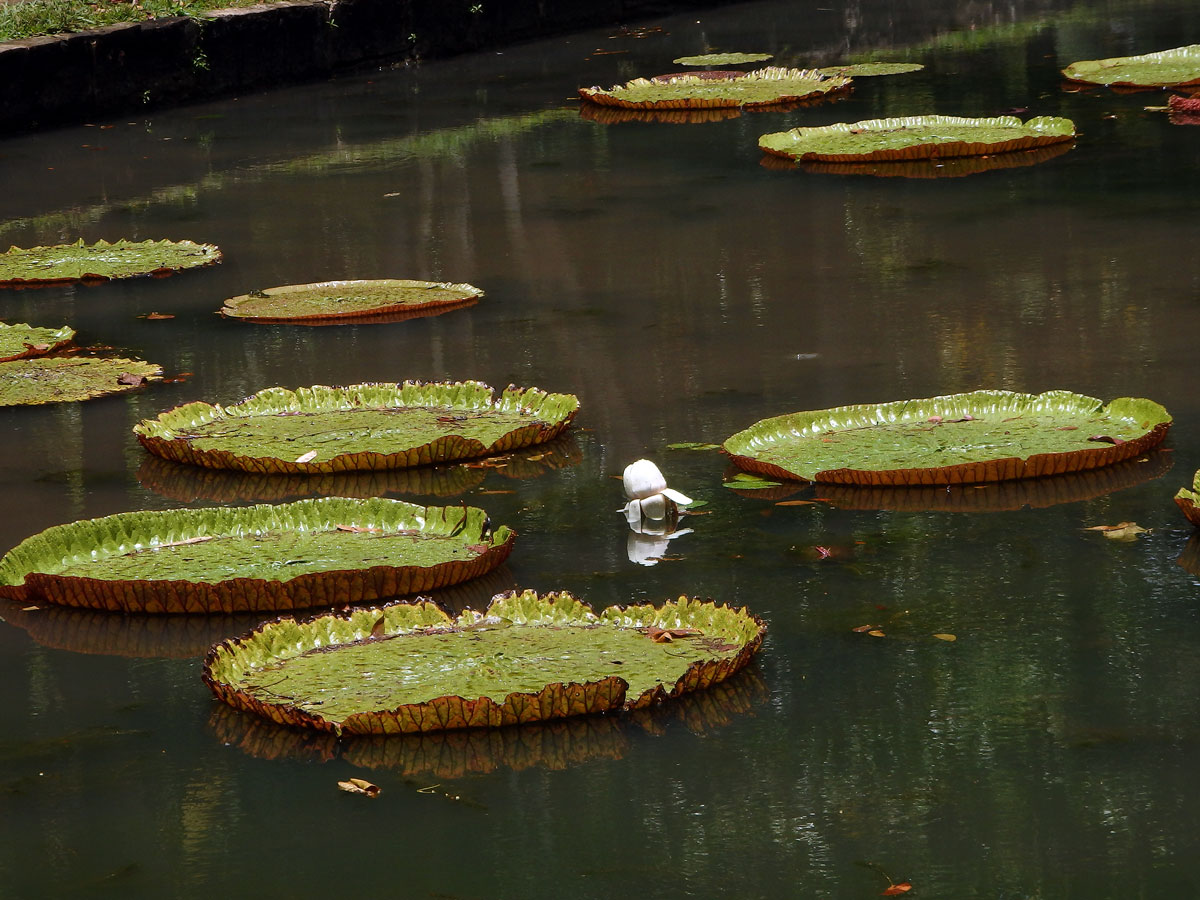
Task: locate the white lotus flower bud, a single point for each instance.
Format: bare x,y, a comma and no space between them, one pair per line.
649,496
642,479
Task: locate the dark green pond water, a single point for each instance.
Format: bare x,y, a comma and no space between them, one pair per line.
683,290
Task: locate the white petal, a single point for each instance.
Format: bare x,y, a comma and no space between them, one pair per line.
633,511
679,498
655,507
641,479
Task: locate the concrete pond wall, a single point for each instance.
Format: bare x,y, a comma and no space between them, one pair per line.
46,81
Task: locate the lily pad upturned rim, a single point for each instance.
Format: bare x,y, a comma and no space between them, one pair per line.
32,571
188,255
820,143
549,414
104,371
793,85
450,296
1188,500
30,337
810,425
931,168
286,638
1114,71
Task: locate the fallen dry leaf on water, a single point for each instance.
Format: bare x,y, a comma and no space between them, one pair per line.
861,628
875,632
156,316
1122,531
1106,439
902,888
307,457
130,378
378,629
360,786
942,636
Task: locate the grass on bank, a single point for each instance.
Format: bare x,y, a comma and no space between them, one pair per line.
30,18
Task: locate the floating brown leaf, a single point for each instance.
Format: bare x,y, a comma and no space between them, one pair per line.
379,628
1122,531
861,628
875,632
664,635
942,636
360,786
1106,439
154,316
131,378
893,889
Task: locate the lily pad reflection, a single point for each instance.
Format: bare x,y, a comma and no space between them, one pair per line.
557,744
941,167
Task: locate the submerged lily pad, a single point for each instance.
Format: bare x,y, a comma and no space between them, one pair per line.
916,137
410,667
872,69
955,439
721,59
101,261
761,87
363,426
308,553
333,301
1166,68
27,382
21,341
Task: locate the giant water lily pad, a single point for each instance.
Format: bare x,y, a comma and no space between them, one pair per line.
955,439
721,59
916,137
871,69
936,167
1188,500
762,87
363,426
21,341
336,301
303,554
411,668
26,382
101,261
1166,68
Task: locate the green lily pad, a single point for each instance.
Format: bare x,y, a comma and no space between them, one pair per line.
363,426
761,87
1188,500
27,382
411,668
721,59
243,559
23,341
916,137
955,439
101,261
1166,68
871,69
336,301
935,167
